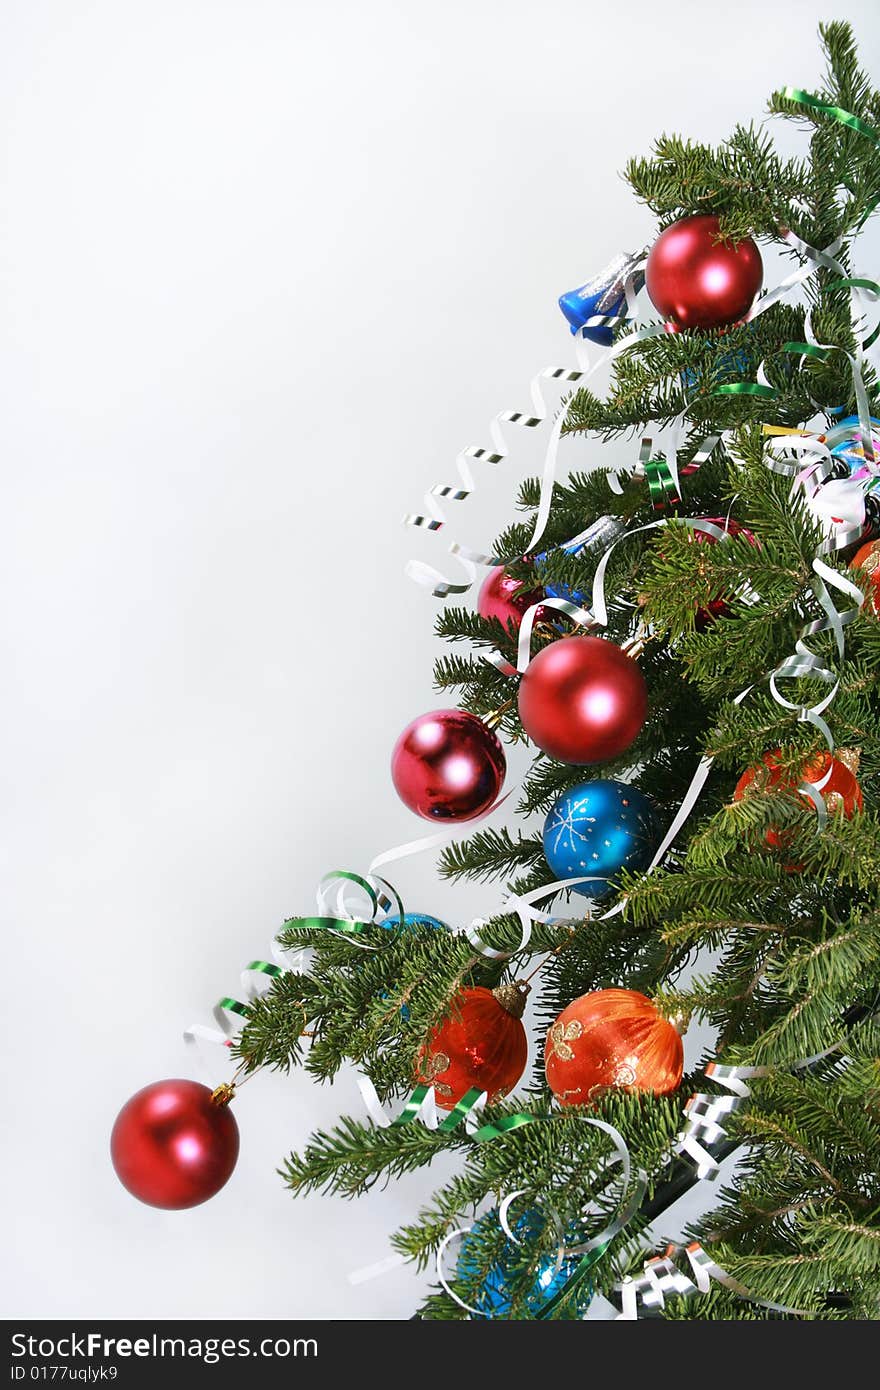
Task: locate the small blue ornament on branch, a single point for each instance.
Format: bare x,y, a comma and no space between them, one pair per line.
412,921
495,1297
602,298
598,828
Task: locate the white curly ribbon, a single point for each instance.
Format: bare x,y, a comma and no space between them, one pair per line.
704,1129
434,519
662,1277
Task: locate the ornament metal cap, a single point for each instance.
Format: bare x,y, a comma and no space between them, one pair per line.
680,1019
850,757
512,996
223,1094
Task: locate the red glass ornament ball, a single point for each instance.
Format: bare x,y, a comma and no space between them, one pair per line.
448,765
718,607
612,1038
582,700
840,793
867,559
699,282
173,1146
481,1044
505,598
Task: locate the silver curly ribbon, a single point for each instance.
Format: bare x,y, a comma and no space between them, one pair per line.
803,662
662,1275
229,1012
434,519
862,293
704,1130
522,904
837,504
662,1278
704,1114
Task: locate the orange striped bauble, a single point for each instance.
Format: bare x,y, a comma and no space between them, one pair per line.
481,1045
612,1039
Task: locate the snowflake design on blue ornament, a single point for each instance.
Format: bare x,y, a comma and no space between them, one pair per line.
596,829
569,829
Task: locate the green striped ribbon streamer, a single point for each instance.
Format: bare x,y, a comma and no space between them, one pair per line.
460,1111
844,117
348,925
744,388
809,350
591,1258
754,388
235,1006
837,113
463,1107
660,483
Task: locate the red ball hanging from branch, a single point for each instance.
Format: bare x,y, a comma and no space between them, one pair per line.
505,598
481,1044
612,1038
697,281
582,700
448,765
834,776
175,1143
717,607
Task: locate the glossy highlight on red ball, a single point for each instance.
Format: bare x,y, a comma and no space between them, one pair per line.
448,765
583,700
173,1146
507,599
697,281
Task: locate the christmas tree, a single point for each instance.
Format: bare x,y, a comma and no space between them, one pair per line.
692,650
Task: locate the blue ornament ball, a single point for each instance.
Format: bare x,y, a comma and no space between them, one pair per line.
599,828
413,920
495,1297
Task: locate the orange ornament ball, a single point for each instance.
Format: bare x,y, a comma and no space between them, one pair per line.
867,558
613,1038
841,791
481,1044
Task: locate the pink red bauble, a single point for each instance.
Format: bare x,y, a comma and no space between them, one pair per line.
582,700
717,607
505,598
173,1145
613,1038
448,765
482,1045
696,281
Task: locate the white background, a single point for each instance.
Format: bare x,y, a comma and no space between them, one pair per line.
266,267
